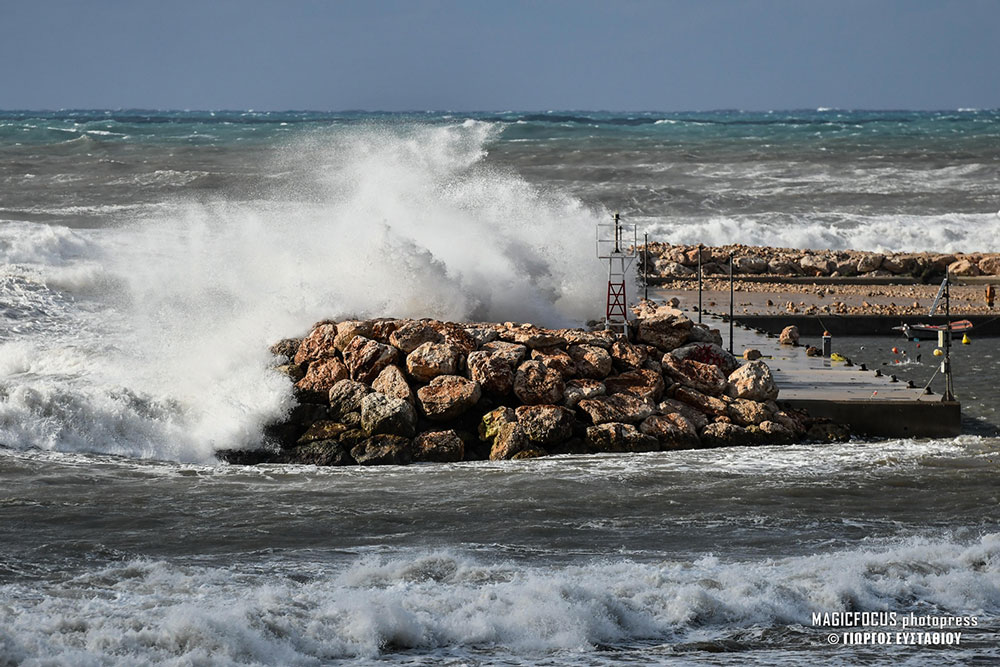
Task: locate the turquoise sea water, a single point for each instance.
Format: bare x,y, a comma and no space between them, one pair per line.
147,259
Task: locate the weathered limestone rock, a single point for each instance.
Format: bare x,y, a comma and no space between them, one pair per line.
345,397
455,335
366,358
317,345
545,424
672,431
617,408
616,437
482,335
347,330
747,413
286,348
321,376
706,378
599,338
509,440
708,405
666,333
990,265
448,396
512,353
726,435
708,353
412,335
898,264
750,264
429,360
668,268
789,335
491,422
752,354
557,360
383,450
532,336
775,433
293,372
392,382
383,328
321,453
753,381
577,390
388,415
438,447
642,383
491,371
628,357
536,384
870,262
591,361
964,267
671,406
321,430
817,266
701,333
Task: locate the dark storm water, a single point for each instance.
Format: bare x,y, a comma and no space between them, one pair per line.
149,257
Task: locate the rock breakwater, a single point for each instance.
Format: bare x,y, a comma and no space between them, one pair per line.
681,261
398,391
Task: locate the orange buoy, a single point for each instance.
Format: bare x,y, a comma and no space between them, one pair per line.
895,350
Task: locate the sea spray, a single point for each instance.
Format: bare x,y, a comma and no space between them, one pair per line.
384,221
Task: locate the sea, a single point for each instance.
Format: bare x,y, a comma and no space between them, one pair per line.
148,258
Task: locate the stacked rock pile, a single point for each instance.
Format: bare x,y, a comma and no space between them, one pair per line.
679,261
395,391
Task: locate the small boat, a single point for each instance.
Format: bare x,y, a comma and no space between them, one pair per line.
930,331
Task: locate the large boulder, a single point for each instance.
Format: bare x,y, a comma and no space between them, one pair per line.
673,431
383,450
320,377
429,360
789,335
532,336
617,408
727,435
556,359
753,381
871,261
491,371
899,264
448,396
491,422
702,333
545,424
323,429
579,389
664,332
708,405
706,378
392,382
708,353
537,384
627,356
512,353
510,439
366,358
345,397
411,335
617,437
814,265
990,265
747,413
438,447
775,433
317,345
643,383
964,267
671,406
387,414
591,361
320,453
348,329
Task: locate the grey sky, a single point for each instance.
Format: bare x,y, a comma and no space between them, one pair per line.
496,55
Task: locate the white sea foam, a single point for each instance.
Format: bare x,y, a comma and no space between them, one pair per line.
838,231
424,602
172,315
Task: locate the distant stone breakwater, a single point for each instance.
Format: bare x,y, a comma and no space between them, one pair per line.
680,261
397,391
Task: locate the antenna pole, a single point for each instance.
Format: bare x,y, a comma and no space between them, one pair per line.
730,303
645,265
699,283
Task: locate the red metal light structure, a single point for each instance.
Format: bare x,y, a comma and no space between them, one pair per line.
616,243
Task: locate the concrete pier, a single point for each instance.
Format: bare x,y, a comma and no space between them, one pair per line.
869,404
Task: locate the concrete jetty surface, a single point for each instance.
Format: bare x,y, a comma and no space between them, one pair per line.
868,403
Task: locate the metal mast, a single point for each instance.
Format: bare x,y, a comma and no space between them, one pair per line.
616,243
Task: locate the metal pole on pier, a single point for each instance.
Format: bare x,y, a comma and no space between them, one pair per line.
731,303
949,388
645,265
699,283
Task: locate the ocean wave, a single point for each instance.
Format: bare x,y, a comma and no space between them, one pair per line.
416,605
